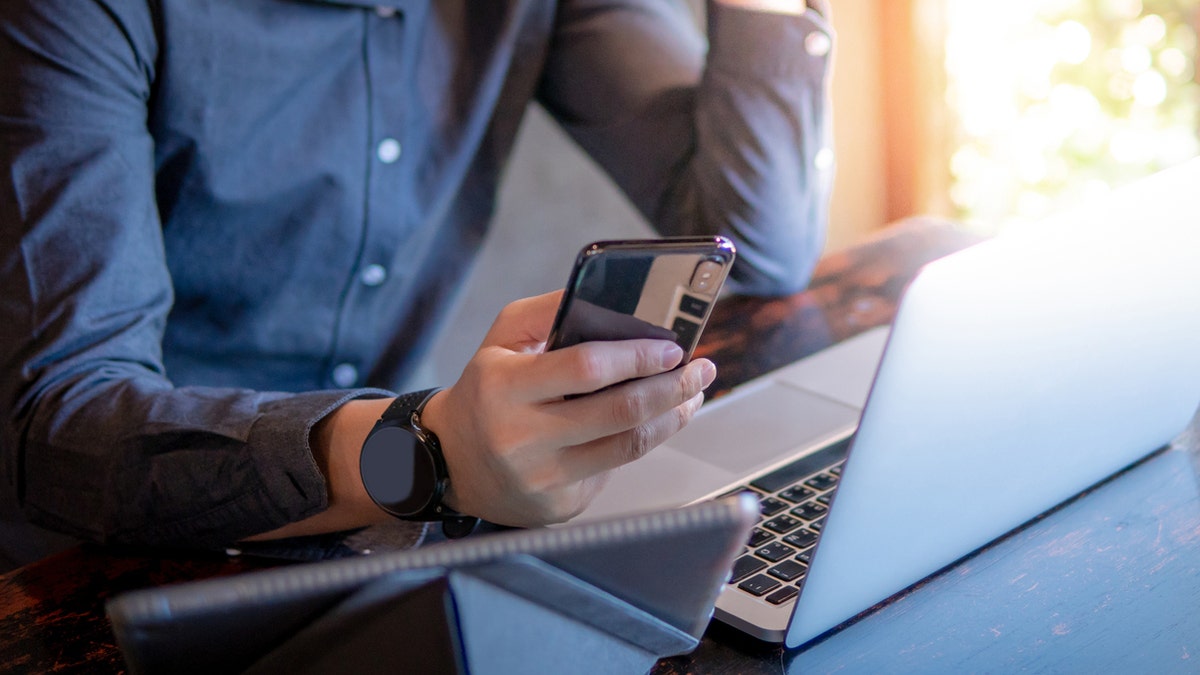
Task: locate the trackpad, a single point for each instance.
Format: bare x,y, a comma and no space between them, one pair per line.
662,479
750,429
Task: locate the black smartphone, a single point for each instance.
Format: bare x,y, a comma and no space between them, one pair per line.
643,288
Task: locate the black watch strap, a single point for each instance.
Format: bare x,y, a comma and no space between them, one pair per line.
405,412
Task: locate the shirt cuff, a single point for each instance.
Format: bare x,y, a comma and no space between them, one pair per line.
293,486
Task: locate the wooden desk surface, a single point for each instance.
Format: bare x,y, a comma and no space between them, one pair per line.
1109,582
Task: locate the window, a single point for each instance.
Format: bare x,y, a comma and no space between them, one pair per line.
1054,102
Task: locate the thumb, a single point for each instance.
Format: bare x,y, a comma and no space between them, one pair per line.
524,321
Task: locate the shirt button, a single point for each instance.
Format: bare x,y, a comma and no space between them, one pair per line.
824,159
345,375
373,275
388,150
385,12
817,43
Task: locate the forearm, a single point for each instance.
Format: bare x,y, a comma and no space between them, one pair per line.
761,169
734,140
134,461
96,440
336,443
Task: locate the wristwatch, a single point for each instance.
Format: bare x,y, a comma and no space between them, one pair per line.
403,468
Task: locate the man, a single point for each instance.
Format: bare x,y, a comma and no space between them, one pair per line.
229,228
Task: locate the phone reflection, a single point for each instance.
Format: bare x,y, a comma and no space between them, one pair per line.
642,295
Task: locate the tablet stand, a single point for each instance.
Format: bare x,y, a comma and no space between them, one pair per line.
517,615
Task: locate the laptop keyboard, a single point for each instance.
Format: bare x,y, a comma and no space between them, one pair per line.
794,501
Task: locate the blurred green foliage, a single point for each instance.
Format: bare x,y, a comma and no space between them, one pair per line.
1060,101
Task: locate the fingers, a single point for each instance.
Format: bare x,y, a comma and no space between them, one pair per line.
567,486
591,366
518,452
579,369
525,464
639,430
630,405
584,461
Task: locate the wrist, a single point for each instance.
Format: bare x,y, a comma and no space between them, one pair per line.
433,418
403,469
336,441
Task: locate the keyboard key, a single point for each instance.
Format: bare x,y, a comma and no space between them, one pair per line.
805,557
817,525
759,537
796,494
759,585
782,524
825,498
788,570
801,538
782,595
810,510
836,469
744,567
821,481
774,552
770,506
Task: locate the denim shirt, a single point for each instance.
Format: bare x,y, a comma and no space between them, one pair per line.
220,220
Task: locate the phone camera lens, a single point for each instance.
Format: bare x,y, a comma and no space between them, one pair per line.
705,276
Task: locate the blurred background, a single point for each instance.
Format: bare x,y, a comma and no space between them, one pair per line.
990,113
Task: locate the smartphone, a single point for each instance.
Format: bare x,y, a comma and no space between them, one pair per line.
643,288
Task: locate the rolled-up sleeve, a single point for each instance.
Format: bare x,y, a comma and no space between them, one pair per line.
731,136
96,440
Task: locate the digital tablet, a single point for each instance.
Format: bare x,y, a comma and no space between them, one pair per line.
663,568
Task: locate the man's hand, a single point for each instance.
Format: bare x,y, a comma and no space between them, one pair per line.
518,452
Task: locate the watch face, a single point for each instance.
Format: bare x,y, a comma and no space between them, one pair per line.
397,471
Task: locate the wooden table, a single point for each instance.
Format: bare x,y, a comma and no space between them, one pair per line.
1110,582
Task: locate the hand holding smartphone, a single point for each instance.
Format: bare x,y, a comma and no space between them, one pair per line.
643,288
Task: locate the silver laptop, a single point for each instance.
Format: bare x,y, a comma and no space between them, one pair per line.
1017,373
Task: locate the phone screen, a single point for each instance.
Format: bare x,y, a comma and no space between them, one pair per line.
656,288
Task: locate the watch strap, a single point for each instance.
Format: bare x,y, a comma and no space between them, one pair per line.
406,409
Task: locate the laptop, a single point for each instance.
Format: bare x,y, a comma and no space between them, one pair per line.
1016,374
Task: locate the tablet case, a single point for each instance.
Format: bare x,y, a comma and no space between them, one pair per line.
610,596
